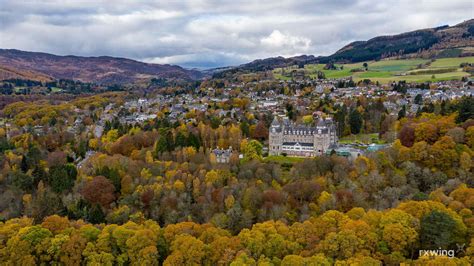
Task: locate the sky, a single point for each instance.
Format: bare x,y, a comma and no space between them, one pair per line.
210,33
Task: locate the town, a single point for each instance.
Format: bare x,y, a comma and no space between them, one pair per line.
313,101
269,133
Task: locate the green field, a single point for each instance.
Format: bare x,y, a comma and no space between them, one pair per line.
386,71
283,159
451,62
18,89
55,89
362,138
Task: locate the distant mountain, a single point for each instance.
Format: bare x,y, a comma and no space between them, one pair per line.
273,62
103,69
265,64
455,41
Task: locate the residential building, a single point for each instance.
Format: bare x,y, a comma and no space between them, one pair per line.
294,139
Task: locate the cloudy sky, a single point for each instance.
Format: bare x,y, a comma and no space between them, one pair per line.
210,33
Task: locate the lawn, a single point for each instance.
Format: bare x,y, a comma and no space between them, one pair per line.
362,138
386,71
283,159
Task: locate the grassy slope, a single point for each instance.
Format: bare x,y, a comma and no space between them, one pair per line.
390,70
451,62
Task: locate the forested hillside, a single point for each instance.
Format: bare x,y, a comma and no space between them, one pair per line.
103,69
153,193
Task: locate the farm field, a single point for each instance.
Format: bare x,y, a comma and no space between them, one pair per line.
385,71
55,89
18,89
451,62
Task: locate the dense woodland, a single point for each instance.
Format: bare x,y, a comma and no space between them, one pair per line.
153,193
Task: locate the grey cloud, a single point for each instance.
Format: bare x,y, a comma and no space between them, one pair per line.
210,33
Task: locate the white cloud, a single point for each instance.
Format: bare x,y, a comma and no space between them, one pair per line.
136,16
285,41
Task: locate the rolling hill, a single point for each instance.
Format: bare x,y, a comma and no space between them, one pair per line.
425,42
444,41
103,69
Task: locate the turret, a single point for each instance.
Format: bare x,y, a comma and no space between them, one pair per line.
275,137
